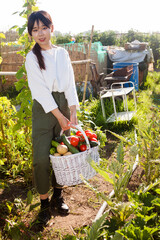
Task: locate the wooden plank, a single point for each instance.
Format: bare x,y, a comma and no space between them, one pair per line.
81,61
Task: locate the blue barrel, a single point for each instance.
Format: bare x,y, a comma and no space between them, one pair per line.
134,77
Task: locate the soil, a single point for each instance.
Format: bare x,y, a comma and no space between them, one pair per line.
83,202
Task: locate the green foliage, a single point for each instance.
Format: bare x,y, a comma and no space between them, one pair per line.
148,128
111,38
149,145
79,38
94,109
108,38
16,126
1,36
121,171
24,96
60,39
86,121
15,226
136,219
11,93
143,205
15,146
94,231
145,224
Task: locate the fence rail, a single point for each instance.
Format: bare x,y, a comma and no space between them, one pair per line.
73,62
7,73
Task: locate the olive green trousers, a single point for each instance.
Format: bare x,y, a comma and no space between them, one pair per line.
45,127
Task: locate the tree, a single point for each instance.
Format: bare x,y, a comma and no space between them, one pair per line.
108,38
60,39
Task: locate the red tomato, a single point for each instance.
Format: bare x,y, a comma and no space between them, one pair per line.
83,147
74,141
87,131
88,134
93,139
81,138
94,135
78,133
62,143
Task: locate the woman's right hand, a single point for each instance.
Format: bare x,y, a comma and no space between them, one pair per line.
63,121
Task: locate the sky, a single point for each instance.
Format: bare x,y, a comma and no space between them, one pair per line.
73,17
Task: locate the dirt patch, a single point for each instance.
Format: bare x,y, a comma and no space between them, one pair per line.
83,204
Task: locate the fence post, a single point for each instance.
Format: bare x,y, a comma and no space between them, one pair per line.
87,67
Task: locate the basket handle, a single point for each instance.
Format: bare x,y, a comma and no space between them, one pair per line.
81,130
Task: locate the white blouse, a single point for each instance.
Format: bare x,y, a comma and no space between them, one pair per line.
57,77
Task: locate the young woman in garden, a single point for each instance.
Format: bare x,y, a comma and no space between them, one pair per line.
51,81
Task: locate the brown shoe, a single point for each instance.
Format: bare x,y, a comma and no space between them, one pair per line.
58,203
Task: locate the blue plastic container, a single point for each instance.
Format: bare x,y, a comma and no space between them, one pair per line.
134,77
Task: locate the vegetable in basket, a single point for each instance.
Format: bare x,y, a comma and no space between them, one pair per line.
52,150
71,148
74,140
83,147
63,149
55,144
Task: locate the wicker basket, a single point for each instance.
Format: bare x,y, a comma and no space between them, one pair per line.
68,169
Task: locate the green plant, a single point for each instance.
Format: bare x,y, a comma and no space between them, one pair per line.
150,151
15,146
120,172
148,129
15,226
137,218
11,93
86,122
145,224
24,96
1,36
94,231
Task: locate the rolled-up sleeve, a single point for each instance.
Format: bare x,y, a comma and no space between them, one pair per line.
71,92
37,85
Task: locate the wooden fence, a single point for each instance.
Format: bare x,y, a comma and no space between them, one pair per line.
13,61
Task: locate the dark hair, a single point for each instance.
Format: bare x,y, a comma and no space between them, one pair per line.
44,17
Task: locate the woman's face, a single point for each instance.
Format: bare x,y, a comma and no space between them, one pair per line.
42,35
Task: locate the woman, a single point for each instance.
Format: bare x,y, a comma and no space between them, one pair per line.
51,81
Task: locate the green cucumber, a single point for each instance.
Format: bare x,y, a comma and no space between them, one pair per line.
71,148
54,143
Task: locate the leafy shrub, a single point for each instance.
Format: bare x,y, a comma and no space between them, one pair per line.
15,147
